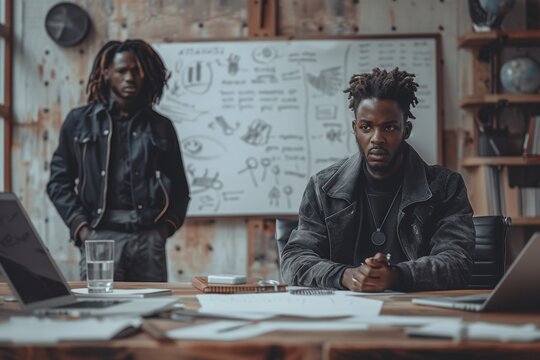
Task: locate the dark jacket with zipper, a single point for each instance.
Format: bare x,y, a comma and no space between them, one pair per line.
434,228
80,169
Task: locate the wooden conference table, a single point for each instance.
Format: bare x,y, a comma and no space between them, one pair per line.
375,343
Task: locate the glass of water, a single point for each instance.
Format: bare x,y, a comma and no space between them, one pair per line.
99,265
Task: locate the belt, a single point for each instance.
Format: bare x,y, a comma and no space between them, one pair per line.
126,228
124,221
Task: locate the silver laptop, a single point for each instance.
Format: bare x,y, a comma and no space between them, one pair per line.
519,289
37,282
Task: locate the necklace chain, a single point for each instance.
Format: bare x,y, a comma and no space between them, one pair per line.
387,212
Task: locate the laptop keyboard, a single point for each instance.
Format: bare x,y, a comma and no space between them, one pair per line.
91,304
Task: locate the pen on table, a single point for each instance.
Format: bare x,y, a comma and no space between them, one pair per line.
236,327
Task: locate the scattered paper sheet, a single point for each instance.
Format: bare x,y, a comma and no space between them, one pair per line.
402,320
34,330
362,293
238,330
124,293
313,306
233,315
479,331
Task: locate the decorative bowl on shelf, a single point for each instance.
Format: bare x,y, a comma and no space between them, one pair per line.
488,15
520,75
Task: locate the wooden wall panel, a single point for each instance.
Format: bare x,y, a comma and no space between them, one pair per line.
49,81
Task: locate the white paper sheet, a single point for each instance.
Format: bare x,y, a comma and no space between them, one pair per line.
362,293
239,330
124,293
33,330
480,331
234,315
313,306
398,320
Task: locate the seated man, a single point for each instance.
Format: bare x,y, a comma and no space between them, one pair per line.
383,200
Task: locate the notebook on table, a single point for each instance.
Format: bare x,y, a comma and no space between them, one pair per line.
36,280
251,286
519,288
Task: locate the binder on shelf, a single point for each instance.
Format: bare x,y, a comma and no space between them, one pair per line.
251,286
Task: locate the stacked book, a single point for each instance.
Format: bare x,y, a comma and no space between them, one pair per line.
531,143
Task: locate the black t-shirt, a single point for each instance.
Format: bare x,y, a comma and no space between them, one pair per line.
119,195
380,194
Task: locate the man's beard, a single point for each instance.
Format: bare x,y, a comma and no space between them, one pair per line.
382,170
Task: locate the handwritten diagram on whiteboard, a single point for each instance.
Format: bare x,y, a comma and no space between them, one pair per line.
256,119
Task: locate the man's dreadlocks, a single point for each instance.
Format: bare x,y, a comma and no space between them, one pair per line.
153,71
380,84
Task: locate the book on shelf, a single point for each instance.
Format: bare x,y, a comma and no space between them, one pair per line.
530,202
531,141
511,191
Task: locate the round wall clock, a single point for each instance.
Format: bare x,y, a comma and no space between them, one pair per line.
67,24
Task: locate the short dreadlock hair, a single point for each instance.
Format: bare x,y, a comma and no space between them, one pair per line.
153,71
381,84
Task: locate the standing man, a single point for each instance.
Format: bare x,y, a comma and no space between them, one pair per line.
117,172
382,203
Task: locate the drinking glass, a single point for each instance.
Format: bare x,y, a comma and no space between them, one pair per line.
99,265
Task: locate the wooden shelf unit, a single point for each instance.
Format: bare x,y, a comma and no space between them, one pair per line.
494,171
501,160
472,101
511,38
525,221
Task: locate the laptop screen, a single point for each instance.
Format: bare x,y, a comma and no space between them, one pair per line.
24,258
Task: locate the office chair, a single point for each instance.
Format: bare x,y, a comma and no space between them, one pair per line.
284,228
489,250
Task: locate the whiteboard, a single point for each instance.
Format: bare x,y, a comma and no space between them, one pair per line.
256,119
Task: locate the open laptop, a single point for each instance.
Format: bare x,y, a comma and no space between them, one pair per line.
37,282
519,289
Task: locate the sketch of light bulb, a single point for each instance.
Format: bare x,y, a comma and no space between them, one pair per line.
274,196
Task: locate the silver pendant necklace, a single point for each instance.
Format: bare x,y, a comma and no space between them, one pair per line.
378,238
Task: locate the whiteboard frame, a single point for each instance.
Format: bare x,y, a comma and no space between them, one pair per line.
439,122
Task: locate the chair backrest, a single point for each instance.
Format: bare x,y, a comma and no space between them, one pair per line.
489,250
284,228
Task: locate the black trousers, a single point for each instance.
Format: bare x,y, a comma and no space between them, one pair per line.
138,256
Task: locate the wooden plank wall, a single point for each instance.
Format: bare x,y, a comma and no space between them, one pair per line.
49,80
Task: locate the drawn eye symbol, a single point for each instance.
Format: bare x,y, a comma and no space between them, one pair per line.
264,55
202,147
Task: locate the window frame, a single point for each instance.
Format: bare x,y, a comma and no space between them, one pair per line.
6,108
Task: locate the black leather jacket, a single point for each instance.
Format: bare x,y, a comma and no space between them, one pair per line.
80,169
435,228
